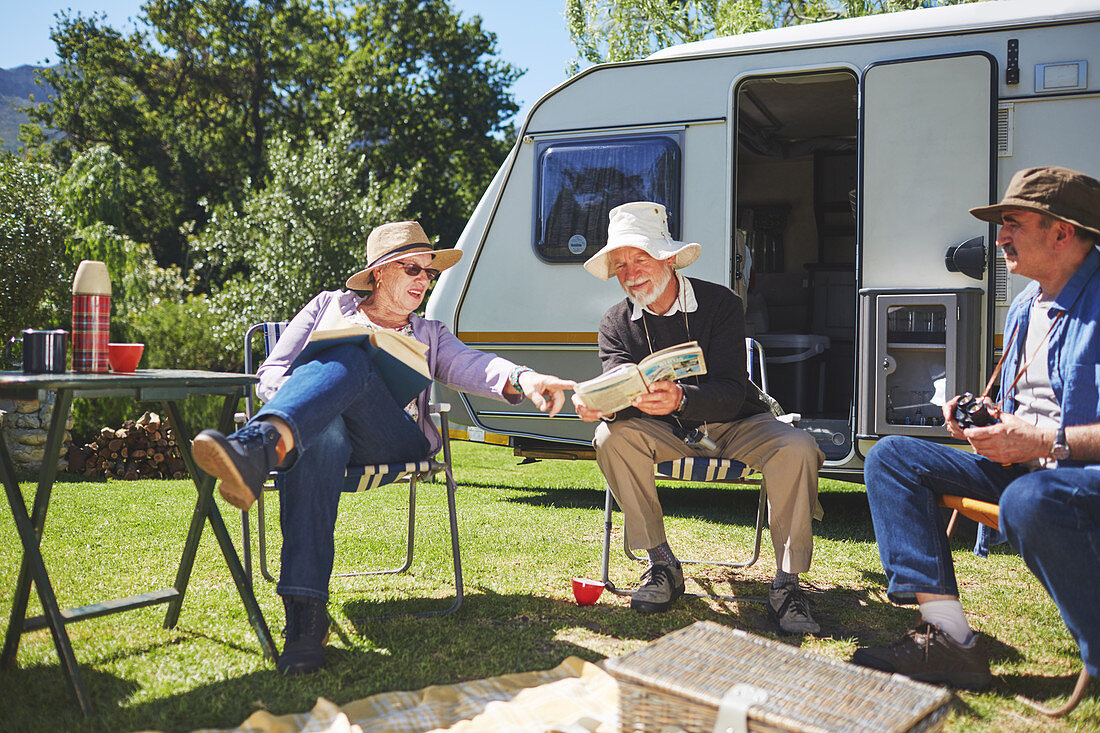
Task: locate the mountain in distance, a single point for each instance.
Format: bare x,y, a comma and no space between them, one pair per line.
16,87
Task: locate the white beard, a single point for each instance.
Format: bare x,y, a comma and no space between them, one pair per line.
644,298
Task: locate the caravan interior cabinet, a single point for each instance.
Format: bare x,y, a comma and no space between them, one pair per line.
923,348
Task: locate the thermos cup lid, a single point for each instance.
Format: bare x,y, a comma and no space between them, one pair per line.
91,279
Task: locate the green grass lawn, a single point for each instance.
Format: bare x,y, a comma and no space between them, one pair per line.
526,530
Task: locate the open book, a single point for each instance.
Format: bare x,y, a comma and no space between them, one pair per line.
613,390
401,360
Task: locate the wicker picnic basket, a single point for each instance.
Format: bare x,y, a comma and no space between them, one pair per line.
679,681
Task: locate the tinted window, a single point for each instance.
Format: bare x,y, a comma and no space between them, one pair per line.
580,182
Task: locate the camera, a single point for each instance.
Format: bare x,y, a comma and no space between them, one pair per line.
972,412
698,438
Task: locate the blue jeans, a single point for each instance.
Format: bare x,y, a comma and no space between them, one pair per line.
341,414
1051,517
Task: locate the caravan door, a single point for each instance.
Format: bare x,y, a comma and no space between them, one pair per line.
926,156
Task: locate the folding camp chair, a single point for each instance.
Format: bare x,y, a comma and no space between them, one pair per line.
356,479
705,470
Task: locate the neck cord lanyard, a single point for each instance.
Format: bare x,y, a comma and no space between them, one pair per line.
681,300
1026,364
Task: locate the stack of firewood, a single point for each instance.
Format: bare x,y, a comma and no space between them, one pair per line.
142,448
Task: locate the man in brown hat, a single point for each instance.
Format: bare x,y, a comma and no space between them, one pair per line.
720,414
1039,459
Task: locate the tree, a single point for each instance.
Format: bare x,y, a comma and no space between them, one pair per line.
623,30
95,193
192,99
32,245
422,86
303,232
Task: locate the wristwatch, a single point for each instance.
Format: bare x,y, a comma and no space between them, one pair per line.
683,401
1060,450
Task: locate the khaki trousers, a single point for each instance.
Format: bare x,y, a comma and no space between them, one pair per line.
788,458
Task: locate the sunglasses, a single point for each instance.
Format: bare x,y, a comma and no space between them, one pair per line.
412,270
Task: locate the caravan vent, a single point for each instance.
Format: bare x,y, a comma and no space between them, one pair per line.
1000,280
1004,131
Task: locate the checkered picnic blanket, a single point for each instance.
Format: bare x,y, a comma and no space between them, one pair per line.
574,697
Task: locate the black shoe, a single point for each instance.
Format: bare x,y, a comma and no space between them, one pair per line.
928,654
790,609
242,461
661,585
307,625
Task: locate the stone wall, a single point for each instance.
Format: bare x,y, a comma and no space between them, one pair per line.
24,425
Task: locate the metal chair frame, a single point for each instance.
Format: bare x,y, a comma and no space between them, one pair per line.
705,470
359,478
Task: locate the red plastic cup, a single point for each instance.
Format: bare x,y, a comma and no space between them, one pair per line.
124,358
586,591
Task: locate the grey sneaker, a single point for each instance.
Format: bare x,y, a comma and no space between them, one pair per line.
661,585
242,460
929,654
790,608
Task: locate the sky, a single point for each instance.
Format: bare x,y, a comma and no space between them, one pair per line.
531,35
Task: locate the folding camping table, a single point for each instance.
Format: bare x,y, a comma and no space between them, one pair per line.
168,387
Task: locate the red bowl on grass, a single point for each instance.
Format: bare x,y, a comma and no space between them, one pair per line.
124,357
586,591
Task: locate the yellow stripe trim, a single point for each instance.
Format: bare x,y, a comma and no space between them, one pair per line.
491,438
528,337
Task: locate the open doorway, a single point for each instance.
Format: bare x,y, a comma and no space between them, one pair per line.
795,180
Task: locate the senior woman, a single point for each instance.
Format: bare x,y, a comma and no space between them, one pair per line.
335,411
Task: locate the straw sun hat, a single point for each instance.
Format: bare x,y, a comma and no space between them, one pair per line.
391,242
641,224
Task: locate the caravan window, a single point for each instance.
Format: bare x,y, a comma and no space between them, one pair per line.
579,182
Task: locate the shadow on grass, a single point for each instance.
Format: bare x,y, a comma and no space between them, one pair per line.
847,516
39,693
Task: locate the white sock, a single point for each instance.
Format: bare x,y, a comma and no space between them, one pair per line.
948,615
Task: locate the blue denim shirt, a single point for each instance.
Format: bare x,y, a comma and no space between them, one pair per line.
1073,354
1073,359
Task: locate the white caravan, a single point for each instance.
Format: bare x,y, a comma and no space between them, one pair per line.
826,170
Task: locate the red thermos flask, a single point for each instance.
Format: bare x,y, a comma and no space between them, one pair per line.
91,316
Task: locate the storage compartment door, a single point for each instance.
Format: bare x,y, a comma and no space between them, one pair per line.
927,157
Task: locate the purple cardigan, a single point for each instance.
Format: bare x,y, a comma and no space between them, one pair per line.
449,360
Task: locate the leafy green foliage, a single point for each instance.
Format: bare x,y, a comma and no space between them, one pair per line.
421,86
95,192
32,245
304,232
623,30
192,99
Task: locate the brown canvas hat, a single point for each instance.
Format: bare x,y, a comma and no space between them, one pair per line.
391,242
1060,192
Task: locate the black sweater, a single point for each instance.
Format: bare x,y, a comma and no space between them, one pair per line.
723,394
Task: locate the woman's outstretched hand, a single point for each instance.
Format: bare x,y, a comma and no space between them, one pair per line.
545,391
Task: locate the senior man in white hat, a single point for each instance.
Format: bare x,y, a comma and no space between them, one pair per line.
719,414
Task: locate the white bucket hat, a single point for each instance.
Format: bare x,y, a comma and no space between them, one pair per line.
641,224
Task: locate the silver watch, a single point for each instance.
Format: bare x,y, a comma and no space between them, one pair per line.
683,401
1060,450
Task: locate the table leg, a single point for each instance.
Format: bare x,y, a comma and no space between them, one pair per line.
205,509
33,567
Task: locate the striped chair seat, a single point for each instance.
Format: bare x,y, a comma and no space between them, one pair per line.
358,479
703,469
365,478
